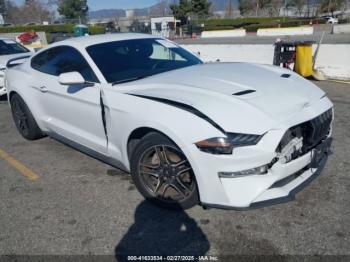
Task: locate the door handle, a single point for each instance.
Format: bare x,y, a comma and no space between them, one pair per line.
43,89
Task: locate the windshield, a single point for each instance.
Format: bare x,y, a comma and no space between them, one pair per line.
129,60
10,47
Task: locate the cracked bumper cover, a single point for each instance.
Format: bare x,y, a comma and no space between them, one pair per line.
291,179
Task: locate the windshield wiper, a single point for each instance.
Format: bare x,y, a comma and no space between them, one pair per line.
128,80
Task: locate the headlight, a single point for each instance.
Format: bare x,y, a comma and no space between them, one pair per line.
225,145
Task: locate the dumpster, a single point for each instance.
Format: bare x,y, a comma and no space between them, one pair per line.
81,30
294,55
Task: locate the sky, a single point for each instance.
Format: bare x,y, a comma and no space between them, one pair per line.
114,4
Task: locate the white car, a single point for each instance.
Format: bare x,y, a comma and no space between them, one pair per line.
9,49
332,20
229,135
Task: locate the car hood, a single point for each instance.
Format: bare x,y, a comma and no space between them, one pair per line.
234,95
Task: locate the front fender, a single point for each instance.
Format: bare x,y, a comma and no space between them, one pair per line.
131,113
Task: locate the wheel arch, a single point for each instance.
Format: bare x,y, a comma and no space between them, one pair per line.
11,94
137,134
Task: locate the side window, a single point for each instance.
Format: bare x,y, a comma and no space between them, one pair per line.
44,62
39,60
63,59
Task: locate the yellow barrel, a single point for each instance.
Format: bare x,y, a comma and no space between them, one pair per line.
303,62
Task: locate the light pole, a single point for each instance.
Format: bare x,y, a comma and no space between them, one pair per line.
84,9
285,10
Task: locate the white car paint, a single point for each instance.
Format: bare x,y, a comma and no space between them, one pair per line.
277,104
332,20
3,61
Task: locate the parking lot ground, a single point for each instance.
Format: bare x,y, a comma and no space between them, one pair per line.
78,205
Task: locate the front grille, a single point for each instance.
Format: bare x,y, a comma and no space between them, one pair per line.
317,129
312,132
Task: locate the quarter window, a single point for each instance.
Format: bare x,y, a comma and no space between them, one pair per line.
63,59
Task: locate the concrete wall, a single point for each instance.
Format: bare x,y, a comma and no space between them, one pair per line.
341,29
303,30
333,60
223,33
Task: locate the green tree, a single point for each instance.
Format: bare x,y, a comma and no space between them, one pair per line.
9,11
30,11
247,7
185,8
200,7
330,6
274,7
298,5
182,10
254,7
73,9
3,7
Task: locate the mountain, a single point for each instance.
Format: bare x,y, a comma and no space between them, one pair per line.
155,10
221,5
103,13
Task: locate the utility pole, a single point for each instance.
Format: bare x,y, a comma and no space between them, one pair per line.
3,9
285,10
229,9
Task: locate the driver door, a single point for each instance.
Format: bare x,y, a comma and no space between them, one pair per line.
72,112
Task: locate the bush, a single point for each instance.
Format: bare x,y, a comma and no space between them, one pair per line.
65,28
253,24
97,29
48,37
239,21
344,21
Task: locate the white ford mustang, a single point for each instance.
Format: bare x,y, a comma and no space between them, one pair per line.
229,135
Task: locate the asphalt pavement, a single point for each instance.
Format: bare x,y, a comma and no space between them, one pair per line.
77,205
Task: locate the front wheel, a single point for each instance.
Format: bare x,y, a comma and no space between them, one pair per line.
162,173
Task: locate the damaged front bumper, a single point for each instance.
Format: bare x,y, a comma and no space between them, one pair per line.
290,178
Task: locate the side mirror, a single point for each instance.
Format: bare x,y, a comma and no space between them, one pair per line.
16,61
71,78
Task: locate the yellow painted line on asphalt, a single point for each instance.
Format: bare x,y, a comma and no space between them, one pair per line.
19,166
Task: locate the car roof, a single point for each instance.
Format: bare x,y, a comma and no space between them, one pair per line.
85,41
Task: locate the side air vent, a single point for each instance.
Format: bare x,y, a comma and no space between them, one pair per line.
244,92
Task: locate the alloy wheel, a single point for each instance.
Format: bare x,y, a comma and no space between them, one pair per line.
166,173
20,117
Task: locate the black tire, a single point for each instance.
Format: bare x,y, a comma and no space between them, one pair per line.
24,120
176,186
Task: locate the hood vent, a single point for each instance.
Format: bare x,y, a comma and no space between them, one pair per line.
285,75
244,92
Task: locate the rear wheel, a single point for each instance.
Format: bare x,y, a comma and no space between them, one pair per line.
24,120
162,173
